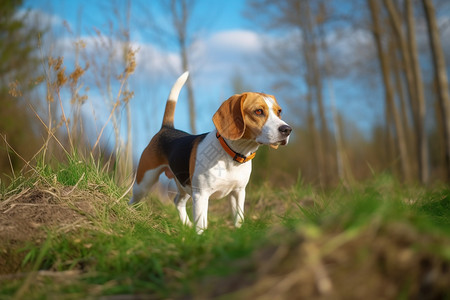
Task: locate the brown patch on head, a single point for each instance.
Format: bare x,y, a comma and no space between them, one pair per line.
244,115
151,158
276,108
229,118
256,113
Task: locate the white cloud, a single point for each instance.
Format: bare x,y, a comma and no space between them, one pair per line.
242,41
152,61
216,58
226,46
36,17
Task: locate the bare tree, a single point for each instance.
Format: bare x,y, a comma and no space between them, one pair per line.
419,111
314,80
302,57
440,76
389,92
342,166
112,62
181,13
410,61
178,32
125,166
299,59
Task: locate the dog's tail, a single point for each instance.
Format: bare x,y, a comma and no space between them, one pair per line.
172,100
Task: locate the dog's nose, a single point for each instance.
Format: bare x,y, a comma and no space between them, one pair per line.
285,130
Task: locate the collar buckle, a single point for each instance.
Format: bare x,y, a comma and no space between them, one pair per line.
237,157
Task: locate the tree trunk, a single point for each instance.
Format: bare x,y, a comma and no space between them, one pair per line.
343,168
315,85
399,84
316,142
441,76
180,13
190,91
384,64
405,55
412,84
128,168
422,146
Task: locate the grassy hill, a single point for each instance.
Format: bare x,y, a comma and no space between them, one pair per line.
66,232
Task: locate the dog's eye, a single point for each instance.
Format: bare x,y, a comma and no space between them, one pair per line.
279,112
259,112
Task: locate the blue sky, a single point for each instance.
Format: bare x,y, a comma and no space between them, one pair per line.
225,44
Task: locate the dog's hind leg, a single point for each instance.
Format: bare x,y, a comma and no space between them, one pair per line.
141,188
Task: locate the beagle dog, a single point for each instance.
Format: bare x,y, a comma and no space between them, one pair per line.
215,164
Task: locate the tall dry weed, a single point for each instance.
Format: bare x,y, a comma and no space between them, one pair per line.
64,93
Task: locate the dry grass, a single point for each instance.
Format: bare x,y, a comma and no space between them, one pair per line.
64,130
28,215
385,263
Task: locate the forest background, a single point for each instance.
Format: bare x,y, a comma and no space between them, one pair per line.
363,83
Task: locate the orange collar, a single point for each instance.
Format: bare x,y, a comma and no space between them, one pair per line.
236,156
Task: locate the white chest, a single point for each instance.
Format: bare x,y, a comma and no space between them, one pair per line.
216,174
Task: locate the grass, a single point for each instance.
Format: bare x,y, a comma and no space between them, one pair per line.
386,238
66,231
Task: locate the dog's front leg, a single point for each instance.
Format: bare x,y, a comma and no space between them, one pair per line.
200,211
237,199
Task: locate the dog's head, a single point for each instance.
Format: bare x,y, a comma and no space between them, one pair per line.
253,116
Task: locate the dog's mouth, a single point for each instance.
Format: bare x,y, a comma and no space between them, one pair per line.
281,142
277,144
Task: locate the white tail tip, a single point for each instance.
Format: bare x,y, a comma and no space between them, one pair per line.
176,89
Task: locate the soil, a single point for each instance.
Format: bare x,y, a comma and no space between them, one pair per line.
26,217
390,262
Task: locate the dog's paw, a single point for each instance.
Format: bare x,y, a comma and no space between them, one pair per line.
187,222
238,222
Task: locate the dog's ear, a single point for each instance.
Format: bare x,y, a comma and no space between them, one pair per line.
229,118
